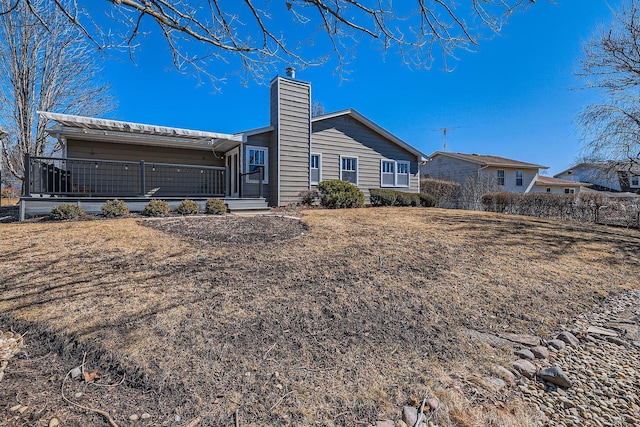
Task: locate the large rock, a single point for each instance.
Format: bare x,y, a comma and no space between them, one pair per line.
556,376
524,368
602,331
568,338
540,352
524,354
557,344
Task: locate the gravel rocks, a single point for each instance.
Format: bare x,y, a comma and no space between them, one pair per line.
604,376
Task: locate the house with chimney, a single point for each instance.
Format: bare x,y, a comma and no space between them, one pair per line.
250,170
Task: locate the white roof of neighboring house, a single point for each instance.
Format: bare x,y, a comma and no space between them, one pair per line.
546,181
488,160
374,127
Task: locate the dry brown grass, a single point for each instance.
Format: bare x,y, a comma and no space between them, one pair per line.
335,327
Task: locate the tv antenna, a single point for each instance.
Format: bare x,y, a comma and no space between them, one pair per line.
444,135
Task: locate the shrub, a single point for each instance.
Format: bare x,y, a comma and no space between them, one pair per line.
188,207
382,197
427,200
446,193
309,198
407,199
66,211
215,207
336,194
156,208
114,208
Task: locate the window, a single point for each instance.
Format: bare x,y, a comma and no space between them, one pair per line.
403,174
518,178
257,156
394,173
635,181
569,191
388,173
548,189
500,177
349,169
315,165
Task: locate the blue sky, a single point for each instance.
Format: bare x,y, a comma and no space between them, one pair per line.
513,96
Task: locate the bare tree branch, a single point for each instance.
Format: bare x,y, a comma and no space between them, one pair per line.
611,66
257,35
48,68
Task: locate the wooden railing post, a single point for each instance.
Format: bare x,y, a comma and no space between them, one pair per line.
143,183
26,186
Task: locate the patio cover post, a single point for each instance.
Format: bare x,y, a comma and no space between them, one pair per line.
143,183
26,186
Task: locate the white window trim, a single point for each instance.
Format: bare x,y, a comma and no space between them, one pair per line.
319,168
396,163
250,178
404,162
357,167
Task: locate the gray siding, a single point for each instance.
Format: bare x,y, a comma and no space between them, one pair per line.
291,114
449,169
593,175
261,140
135,153
345,136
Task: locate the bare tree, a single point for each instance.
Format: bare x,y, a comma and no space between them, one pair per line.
474,188
256,36
611,66
317,109
48,65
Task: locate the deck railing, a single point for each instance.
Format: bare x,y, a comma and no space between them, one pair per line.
106,178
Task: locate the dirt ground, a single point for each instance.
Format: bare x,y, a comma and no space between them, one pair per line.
335,321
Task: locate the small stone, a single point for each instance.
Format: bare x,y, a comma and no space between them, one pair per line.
15,408
540,352
568,338
401,424
22,409
133,417
524,354
279,386
76,372
384,423
557,344
177,418
433,403
556,376
525,368
77,395
145,416
409,415
503,372
54,422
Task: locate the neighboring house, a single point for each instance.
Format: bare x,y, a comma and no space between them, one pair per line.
510,175
269,166
605,176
